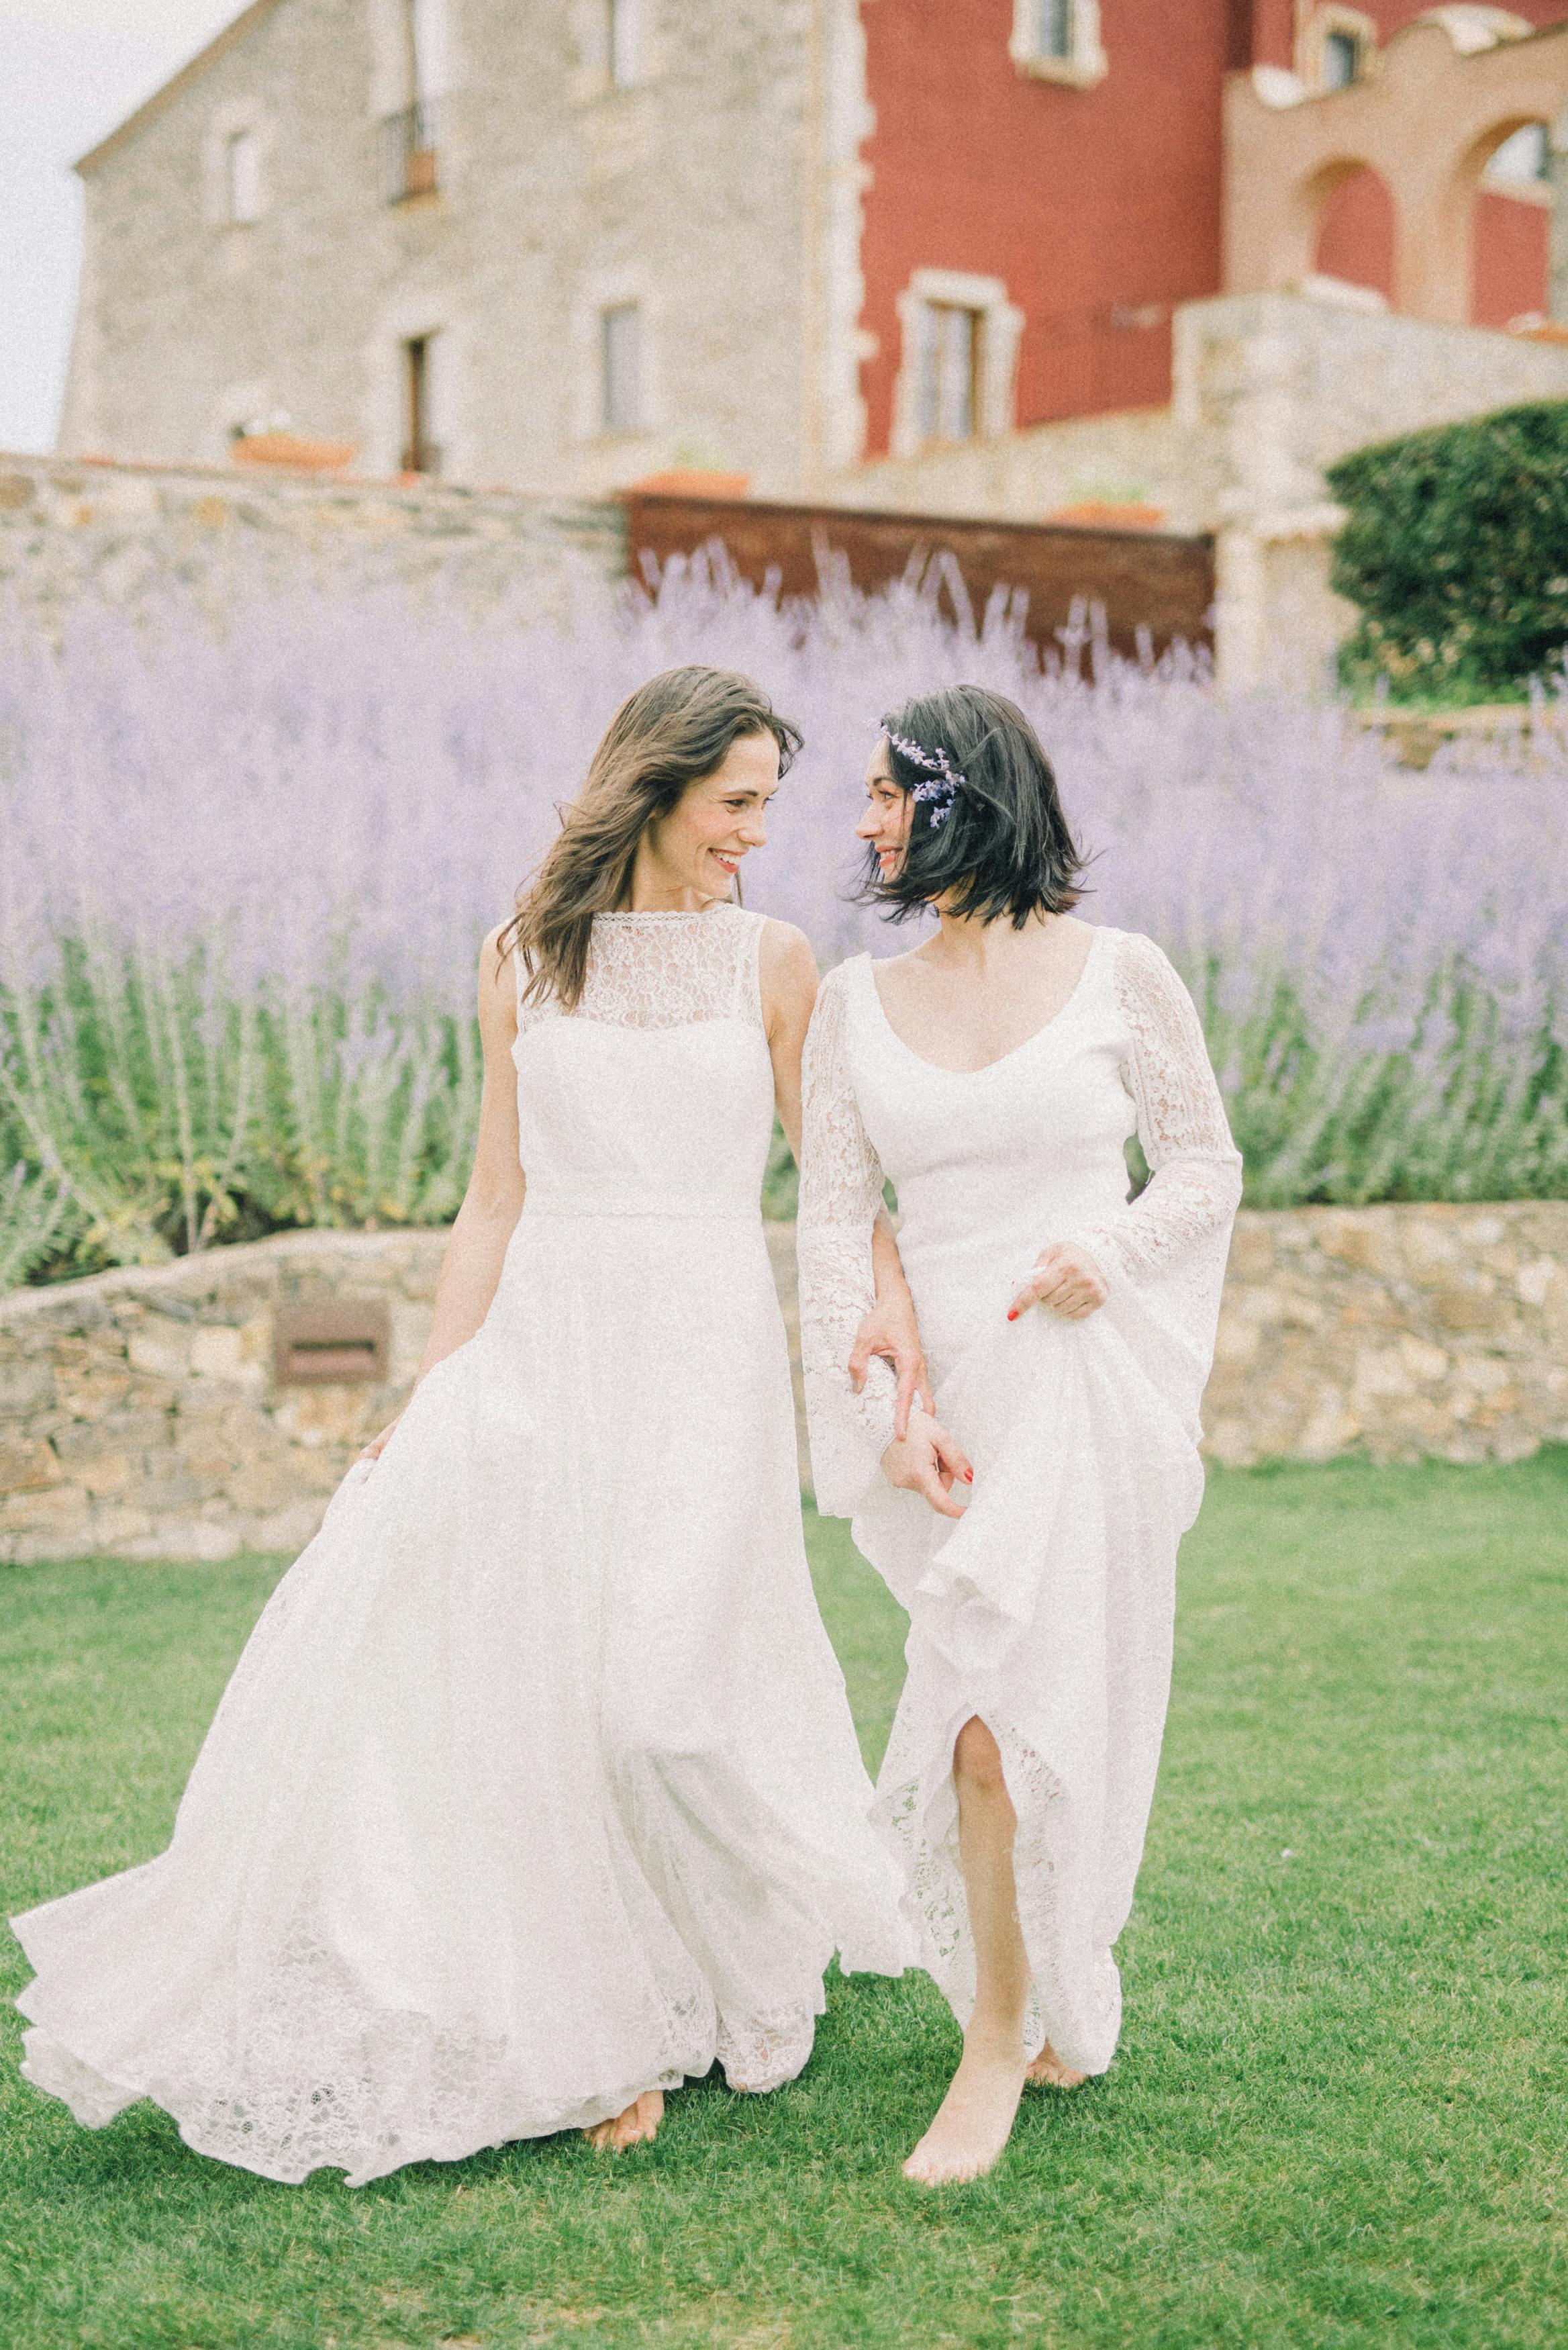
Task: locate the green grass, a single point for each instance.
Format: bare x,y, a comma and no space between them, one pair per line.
1338,2116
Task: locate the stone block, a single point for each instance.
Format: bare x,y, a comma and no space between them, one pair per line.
163,1353
28,1468
110,1472
220,1354
1422,1361
1536,1280
90,1394
1332,1428
58,1509
1467,1306
328,1415
1236,1340
25,1387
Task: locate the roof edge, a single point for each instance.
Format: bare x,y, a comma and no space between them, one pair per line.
243,24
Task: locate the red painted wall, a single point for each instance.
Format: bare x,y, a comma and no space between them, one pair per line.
1356,233
1512,239
1099,208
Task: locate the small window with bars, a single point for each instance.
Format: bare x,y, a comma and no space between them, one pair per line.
950,351
1341,59
624,42
242,178
421,452
620,367
1054,28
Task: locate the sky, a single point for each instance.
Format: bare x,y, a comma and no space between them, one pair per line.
71,70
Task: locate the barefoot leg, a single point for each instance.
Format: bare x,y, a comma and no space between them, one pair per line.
637,2126
976,2118
1048,2072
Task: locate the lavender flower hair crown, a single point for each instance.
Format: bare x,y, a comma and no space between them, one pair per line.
940,782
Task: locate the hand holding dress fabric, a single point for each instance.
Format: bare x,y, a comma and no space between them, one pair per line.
1064,1278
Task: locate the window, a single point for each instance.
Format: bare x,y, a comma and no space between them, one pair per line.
241,177
421,454
1341,60
623,44
409,136
1524,157
1054,28
621,368
950,372
1058,40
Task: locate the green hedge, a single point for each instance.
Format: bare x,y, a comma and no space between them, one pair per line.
1457,552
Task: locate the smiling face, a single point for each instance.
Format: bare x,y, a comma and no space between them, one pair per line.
889,809
698,846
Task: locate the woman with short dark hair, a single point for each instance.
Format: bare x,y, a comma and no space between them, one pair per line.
1030,1525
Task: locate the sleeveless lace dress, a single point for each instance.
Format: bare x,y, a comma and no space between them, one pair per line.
1046,1609
535,1786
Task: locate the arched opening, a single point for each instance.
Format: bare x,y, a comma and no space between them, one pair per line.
1510,227
1355,239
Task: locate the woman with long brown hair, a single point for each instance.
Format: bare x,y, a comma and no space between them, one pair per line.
535,1789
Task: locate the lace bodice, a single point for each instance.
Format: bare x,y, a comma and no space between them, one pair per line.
663,970
991,1164
654,1096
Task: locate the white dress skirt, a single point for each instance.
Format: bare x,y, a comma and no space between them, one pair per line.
537,1785
1046,1611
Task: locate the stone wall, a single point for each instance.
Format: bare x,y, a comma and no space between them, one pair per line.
139,1415
69,531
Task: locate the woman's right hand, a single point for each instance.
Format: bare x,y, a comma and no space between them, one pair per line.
374,1450
927,1461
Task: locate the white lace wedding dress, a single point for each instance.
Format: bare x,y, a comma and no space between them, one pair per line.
535,1786
1046,1611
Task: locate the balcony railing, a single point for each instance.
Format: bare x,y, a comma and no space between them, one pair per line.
408,153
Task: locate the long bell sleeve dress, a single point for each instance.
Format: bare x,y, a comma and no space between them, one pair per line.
1046,1611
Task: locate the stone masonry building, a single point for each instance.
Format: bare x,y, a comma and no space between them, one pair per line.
562,244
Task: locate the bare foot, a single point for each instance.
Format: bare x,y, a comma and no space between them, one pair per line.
638,2126
974,2120
1048,2072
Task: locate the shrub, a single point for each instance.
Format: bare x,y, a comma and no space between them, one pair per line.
1457,551
243,882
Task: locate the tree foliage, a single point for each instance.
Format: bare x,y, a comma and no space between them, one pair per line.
1457,552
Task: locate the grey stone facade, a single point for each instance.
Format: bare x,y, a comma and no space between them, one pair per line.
719,192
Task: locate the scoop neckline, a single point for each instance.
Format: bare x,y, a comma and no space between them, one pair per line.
1014,1051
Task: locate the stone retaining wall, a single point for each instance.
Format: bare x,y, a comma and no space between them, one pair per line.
74,530
140,1416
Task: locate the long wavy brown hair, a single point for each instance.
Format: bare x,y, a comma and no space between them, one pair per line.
671,732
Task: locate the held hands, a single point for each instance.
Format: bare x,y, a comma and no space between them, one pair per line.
928,1461
891,1331
1064,1278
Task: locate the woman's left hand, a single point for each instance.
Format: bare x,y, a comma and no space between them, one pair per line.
1065,1279
891,1331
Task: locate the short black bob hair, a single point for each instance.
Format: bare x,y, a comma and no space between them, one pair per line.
1004,846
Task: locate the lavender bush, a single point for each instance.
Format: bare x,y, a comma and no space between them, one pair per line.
243,876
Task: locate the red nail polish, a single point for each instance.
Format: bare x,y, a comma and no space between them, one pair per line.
1013,1312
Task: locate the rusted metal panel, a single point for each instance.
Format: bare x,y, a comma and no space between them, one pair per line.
1146,579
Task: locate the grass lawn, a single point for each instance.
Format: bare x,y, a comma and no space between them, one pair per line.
1338,2116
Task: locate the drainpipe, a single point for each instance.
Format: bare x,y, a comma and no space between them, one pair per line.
1557,280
